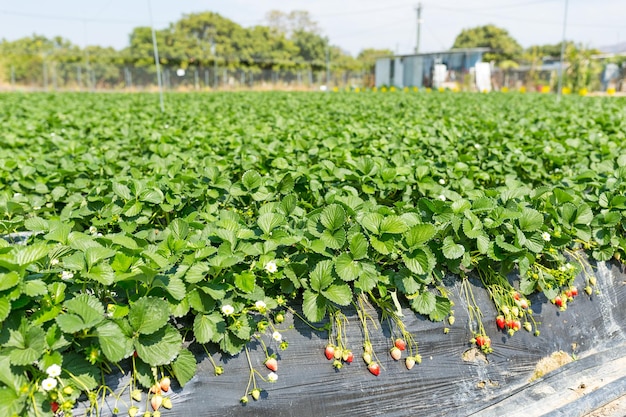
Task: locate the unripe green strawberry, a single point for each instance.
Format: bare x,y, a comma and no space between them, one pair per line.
588,290
367,357
255,394
219,370
338,353
133,411
409,362
244,399
528,327
279,318
367,347
418,358
451,320
167,403
337,364
136,395
592,281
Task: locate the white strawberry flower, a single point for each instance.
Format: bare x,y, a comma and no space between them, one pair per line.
272,377
545,236
227,309
53,370
442,181
65,275
49,384
54,261
271,267
277,336
442,197
93,230
260,305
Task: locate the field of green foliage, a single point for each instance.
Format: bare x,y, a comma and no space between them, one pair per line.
130,234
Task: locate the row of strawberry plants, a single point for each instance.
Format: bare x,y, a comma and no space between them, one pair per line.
144,241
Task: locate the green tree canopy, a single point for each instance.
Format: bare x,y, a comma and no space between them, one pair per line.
502,44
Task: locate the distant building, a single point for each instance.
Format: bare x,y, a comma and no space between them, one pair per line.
424,70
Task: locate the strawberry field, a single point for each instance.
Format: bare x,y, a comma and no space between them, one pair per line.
132,238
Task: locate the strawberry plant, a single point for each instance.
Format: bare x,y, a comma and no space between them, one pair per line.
130,238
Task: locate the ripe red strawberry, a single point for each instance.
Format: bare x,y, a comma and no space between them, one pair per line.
516,295
54,406
500,322
155,389
165,383
523,303
516,325
271,364
574,291
409,362
329,351
156,401
374,368
400,344
510,323
348,357
558,301
483,341
395,353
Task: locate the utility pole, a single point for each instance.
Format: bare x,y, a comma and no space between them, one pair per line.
560,86
419,27
156,58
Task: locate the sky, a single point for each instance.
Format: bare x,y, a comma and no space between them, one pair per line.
350,24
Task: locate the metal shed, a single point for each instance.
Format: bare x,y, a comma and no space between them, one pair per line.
416,70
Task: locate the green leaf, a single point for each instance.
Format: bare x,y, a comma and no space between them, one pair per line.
197,272
372,221
28,344
102,273
34,288
151,195
122,191
420,261
269,221
95,254
385,244
313,306
393,225
251,180
420,234
530,220
333,217
83,312
347,268
442,309
11,404
31,254
452,250
5,308
245,281
148,314
9,280
83,373
209,328
114,343
333,239
358,246
502,244
160,347
184,367
321,276
424,303
338,294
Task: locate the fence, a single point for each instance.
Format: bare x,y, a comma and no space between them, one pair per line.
61,76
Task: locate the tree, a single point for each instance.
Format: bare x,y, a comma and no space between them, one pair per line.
503,46
289,23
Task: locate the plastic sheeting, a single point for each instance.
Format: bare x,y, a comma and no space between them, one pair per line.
447,382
